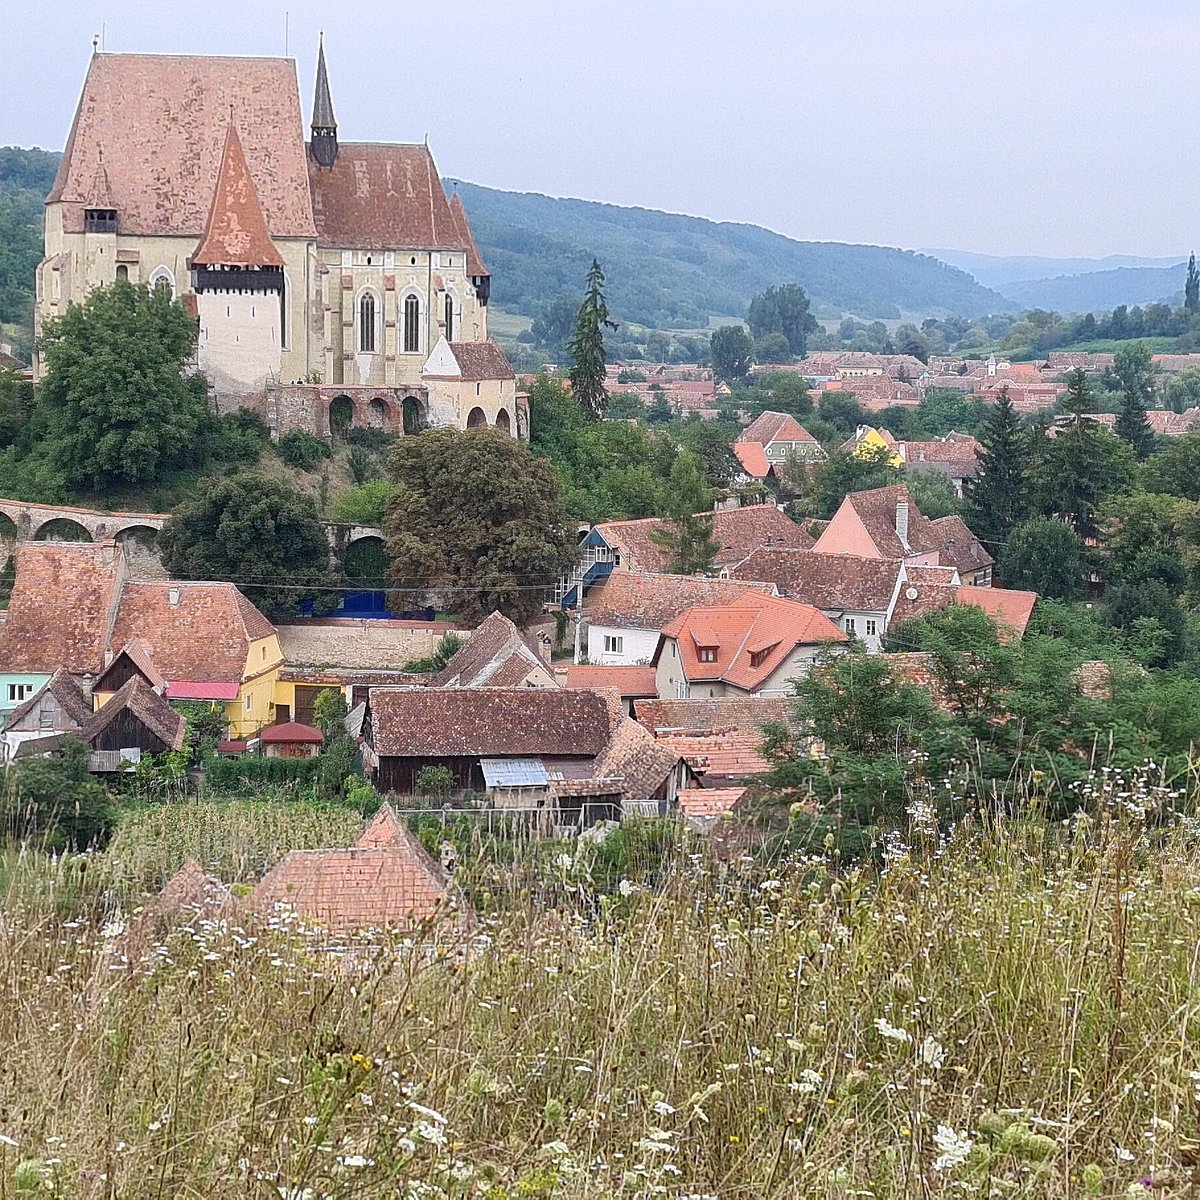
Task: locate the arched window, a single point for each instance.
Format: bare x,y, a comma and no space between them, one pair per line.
449,317
122,271
412,325
163,283
366,323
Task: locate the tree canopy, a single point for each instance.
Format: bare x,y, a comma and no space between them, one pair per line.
782,312
477,519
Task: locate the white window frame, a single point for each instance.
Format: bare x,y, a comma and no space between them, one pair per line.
614,644
163,273
850,625
18,693
872,627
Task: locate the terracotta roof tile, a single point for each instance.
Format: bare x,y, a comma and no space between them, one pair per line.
71,700
61,606
708,802
159,122
629,681
291,731
770,427
236,234
136,653
648,600
437,722
476,267
481,360
753,457
495,655
707,716
637,760
138,698
204,637
190,894
382,196
827,581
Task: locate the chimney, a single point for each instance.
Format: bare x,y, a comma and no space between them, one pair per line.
902,522
173,596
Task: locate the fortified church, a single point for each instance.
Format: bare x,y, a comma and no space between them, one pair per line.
332,282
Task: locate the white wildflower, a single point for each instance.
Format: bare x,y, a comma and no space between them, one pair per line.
113,929
5,1140
431,1113
355,1160
663,1108
933,1053
564,862
1122,1154
890,1031
954,1146
625,887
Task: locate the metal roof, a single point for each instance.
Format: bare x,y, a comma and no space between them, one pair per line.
514,772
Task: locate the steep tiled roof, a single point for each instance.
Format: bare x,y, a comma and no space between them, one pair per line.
636,759
189,894
481,360
476,267
707,716
495,655
629,681
74,704
738,530
203,637
349,891
61,606
648,600
959,452
753,457
159,121
381,195
236,234
722,754
437,722
956,545
752,637
138,698
291,731
827,581
770,427
1008,607
137,653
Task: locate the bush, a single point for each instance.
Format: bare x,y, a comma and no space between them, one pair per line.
56,801
303,451
250,772
238,437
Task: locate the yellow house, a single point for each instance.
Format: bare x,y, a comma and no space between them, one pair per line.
196,641
869,441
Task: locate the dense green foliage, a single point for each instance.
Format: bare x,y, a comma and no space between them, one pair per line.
586,347
56,802
25,179
259,534
478,518
677,272
781,313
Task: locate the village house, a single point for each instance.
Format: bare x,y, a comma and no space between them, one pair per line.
58,707
577,754
773,439
73,607
630,683
869,442
886,523
756,645
954,457
625,615
496,655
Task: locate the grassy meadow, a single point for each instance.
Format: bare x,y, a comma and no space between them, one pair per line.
1007,1011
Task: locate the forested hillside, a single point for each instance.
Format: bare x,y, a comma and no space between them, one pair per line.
25,178
671,272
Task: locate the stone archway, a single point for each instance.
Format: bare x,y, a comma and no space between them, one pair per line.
503,422
62,529
341,416
140,545
476,418
365,562
415,416
379,413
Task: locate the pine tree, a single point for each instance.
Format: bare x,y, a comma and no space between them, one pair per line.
1134,370
997,498
587,347
1191,288
1079,398
1132,425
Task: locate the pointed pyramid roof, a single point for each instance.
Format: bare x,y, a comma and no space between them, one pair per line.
100,194
236,234
323,117
475,264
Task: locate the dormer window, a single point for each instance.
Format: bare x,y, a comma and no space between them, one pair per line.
707,654
758,657
99,220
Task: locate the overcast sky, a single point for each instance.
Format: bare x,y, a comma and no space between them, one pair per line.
1007,126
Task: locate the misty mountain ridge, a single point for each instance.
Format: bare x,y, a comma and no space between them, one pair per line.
998,270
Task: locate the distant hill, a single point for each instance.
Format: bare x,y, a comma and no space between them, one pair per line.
1101,291
675,272
996,270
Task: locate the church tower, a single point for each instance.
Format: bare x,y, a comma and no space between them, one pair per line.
238,278
324,144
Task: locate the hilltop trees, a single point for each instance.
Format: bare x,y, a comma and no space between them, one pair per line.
477,516
117,405
259,534
732,352
781,312
587,347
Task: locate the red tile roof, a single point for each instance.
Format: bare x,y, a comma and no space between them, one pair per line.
292,731
138,699
476,267
1009,608
753,457
629,681
738,530
159,123
648,599
697,803
136,653
752,638
436,722
707,716
481,360
494,655
236,234
770,427
382,196
827,581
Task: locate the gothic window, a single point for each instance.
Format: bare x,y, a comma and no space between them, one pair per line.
366,323
412,325
449,317
122,272
163,283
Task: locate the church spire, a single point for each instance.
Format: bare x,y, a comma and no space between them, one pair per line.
324,143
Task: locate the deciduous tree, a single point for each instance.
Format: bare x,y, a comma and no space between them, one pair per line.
1043,556
732,352
477,517
783,310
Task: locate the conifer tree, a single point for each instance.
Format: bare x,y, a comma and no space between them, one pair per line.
997,498
689,534
587,347
1191,288
1134,370
1132,425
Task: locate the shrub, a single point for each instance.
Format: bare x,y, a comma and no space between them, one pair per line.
56,801
302,451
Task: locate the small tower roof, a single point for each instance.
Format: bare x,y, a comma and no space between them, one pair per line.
323,117
236,234
100,194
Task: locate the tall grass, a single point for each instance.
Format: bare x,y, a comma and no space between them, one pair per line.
1007,1012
